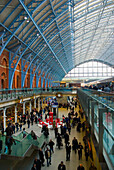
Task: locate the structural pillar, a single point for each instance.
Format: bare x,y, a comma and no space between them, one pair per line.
4,118
23,108
38,104
30,105
34,102
42,101
100,112
15,113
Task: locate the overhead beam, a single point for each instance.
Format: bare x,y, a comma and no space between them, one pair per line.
26,9
58,30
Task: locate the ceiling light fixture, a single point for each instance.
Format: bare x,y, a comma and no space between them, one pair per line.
25,18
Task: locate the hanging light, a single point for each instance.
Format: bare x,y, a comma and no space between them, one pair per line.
25,18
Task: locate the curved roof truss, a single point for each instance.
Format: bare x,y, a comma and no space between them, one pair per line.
56,35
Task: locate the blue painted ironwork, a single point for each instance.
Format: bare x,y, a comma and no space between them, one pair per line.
11,78
25,8
5,6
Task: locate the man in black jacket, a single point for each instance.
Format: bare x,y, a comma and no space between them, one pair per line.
51,144
61,166
41,156
80,147
75,144
48,156
38,164
68,150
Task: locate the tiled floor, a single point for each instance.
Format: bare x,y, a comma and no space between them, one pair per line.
59,155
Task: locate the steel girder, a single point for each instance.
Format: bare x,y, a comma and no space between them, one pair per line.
14,33
58,29
27,11
94,38
12,72
11,75
26,56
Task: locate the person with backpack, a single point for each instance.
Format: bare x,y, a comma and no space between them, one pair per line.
48,156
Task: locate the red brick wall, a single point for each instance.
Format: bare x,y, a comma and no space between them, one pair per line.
17,77
4,69
39,83
44,83
4,74
34,82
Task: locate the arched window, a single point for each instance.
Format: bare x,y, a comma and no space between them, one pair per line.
27,82
4,62
2,84
17,81
3,80
90,70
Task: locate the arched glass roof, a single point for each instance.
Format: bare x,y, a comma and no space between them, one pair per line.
91,70
56,35
93,31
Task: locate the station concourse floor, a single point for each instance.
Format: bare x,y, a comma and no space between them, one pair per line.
60,155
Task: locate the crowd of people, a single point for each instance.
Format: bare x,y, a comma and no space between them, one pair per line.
62,135
73,120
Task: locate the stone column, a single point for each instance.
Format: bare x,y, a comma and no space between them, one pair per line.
23,108
100,112
30,105
35,103
4,118
38,104
15,113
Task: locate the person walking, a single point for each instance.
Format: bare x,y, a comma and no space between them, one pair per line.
56,131
9,142
34,167
51,144
61,166
32,119
48,156
75,144
13,128
24,133
41,156
80,147
80,167
17,126
20,125
38,163
68,150
66,137
87,154
59,141
28,122
69,128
